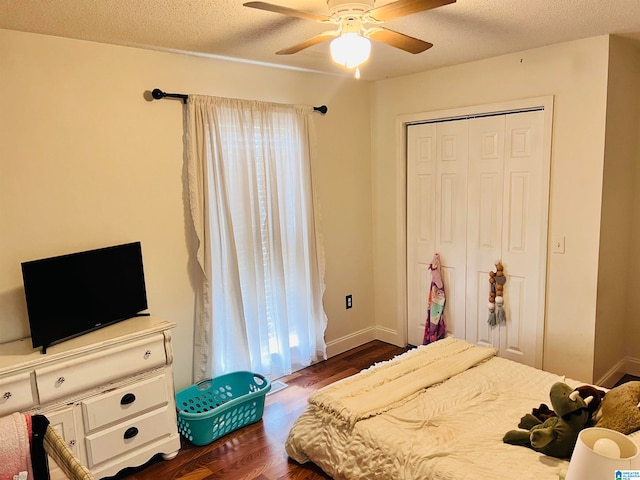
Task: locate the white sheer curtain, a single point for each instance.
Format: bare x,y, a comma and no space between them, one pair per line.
260,253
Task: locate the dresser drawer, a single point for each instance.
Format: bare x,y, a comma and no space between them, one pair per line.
127,436
120,404
63,379
15,393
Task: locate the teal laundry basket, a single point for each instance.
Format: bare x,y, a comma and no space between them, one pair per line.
212,408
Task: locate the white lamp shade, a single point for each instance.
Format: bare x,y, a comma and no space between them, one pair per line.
350,49
591,457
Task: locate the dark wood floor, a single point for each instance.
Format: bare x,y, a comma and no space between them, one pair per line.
625,379
257,451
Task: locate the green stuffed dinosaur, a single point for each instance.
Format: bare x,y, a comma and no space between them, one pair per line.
556,436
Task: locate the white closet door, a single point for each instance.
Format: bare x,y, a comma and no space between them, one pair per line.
524,242
484,228
452,159
436,204
476,195
421,209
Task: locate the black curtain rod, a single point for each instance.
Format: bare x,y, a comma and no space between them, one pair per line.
159,94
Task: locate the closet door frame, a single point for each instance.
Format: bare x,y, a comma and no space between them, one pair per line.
546,104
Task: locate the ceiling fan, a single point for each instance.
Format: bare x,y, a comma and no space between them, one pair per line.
357,22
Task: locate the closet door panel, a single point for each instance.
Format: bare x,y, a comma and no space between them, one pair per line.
524,236
484,224
421,214
452,157
437,157
513,341
477,324
518,212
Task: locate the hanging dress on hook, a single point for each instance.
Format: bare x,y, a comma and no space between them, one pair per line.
435,327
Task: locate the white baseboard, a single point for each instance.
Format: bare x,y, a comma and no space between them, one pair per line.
353,340
389,336
342,344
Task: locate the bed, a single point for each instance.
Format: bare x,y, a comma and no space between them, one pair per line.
436,412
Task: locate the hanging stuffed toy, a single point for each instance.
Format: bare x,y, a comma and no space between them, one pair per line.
492,299
435,328
496,296
500,279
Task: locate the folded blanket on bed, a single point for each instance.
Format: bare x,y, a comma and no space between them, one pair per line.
389,384
15,451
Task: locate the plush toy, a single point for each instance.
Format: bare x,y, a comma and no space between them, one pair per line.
620,409
598,395
557,435
501,317
496,296
543,412
492,300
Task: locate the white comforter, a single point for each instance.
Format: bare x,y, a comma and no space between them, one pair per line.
451,430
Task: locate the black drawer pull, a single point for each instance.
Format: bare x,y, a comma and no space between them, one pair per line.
127,399
130,433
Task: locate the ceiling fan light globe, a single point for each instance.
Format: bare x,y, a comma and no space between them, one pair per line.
350,49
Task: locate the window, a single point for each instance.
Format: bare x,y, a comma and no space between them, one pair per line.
253,210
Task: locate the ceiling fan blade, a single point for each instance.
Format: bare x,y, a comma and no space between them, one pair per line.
270,7
405,7
398,40
308,43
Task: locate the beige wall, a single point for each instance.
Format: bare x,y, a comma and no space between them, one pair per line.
575,73
616,248
633,324
86,161
618,301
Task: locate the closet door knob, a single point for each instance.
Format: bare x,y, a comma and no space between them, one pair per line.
7,395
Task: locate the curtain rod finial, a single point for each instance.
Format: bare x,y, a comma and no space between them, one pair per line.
157,94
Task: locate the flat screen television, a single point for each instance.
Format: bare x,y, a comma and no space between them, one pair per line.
72,294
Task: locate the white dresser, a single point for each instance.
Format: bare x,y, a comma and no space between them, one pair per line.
109,393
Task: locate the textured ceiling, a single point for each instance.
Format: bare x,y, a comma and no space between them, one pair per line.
463,31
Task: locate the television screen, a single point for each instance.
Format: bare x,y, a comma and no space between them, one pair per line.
73,294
